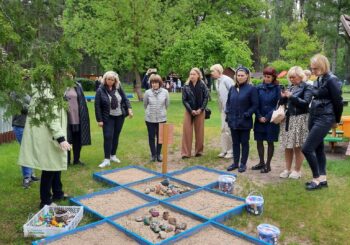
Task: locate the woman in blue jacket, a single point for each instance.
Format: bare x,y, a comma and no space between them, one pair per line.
269,93
242,102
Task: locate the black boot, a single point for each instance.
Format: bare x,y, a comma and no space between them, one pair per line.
153,158
258,166
159,158
232,167
265,169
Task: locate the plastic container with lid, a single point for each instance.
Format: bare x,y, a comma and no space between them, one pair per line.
268,233
255,203
226,183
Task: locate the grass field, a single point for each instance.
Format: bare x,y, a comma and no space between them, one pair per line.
320,217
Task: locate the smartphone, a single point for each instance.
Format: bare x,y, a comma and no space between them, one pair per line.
282,88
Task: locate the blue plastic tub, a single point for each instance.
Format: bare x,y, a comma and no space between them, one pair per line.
268,233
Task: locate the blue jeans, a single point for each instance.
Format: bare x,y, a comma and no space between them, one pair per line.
26,172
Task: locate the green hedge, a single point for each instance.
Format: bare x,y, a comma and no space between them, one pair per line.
283,81
87,84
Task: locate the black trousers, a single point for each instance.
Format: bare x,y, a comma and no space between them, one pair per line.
50,180
76,142
153,138
313,147
111,131
240,137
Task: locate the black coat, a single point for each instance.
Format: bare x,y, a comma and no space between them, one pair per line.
241,105
103,104
327,97
299,102
84,118
189,100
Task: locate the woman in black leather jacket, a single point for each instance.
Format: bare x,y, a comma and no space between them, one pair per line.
294,128
325,112
195,99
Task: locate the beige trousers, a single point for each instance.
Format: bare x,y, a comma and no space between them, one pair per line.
197,123
226,139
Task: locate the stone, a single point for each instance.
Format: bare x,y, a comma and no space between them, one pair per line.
153,189
162,235
157,189
139,219
187,188
147,191
169,192
177,231
181,226
165,215
161,193
165,182
169,229
155,227
163,227
155,213
172,221
147,220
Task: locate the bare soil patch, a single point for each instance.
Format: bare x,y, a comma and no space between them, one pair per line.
128,175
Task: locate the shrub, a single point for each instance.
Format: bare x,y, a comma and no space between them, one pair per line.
87,84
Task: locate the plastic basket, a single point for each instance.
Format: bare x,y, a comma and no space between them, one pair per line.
30,230
255,203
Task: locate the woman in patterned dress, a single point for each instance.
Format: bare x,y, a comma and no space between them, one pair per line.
294,128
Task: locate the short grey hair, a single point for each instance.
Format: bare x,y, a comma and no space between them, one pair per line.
112,74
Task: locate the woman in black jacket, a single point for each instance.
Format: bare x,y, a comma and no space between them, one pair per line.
325,112
242,102
195,99
111,107
78,126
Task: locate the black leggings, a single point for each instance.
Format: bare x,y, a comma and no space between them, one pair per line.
76,142
50,180
261,152
111,131
313,147
154,145
240,138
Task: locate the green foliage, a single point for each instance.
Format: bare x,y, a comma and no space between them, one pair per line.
300,45
87,84
281,65
204,46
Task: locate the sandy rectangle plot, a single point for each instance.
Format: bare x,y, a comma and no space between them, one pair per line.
213,236
104,234
128,222
113,202
129,175
207,204
198,177
141,187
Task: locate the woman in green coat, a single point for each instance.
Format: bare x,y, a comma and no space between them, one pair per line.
45,148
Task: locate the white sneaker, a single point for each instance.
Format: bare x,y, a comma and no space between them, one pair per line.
284,174
228,156
222,154
295,175
105,163
115,159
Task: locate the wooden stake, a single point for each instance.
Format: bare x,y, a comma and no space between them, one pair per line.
165,149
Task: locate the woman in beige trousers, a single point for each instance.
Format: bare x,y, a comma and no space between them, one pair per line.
195,96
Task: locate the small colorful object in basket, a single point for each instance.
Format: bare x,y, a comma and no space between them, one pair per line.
255,203
268,233
226,183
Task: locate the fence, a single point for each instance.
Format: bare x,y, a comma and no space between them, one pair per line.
6,133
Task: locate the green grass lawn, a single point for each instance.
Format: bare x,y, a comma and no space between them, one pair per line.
320,217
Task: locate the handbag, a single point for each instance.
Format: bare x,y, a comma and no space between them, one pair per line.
207,112
278,115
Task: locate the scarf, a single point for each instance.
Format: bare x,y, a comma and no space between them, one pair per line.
114,100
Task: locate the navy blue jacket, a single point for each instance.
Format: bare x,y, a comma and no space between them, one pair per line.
269,95
240,106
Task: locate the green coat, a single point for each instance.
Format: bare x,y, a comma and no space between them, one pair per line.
39,147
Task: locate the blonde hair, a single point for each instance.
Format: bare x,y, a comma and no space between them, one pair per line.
195,69
218,68
296,71
321,62
155,78
112,74
307,73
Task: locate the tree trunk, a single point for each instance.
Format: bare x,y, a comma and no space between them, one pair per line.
138,84
334,56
